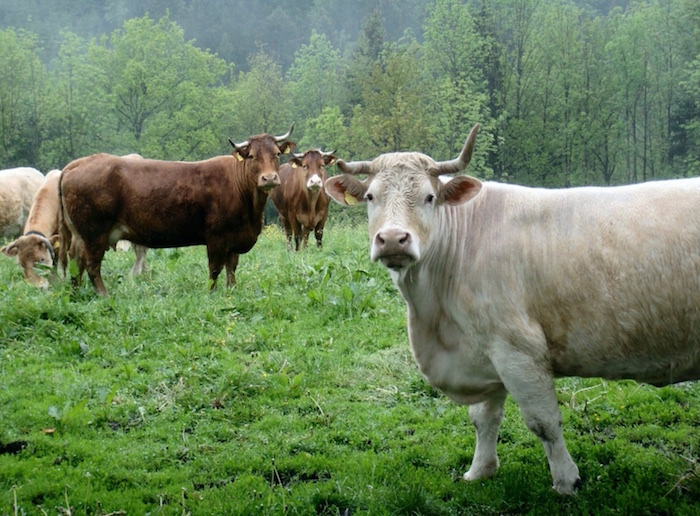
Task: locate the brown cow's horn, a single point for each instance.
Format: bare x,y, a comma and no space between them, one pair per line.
354,167
459,164
238,145
285,136
326,154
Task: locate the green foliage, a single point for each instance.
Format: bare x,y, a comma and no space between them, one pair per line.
567,93
295,392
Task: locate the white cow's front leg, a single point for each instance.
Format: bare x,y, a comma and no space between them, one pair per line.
532,388
486,417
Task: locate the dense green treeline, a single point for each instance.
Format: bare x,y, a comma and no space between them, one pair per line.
567,93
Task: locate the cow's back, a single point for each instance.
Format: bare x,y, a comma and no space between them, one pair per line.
17,189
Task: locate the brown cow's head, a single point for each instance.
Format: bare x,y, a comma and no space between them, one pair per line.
312,163
261,155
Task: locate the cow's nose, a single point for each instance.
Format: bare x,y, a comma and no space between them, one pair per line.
392,241
269,180
314,183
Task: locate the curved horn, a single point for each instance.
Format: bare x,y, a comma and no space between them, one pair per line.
354,167
459,164
238,145
326,154
46,242
285,136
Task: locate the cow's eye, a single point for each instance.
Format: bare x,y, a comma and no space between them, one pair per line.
430,199
369,197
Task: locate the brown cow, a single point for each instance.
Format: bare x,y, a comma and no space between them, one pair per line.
37,243
217,202
301,201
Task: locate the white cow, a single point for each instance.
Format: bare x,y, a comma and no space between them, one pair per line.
508,287
17,189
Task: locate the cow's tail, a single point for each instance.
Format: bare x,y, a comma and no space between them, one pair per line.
64,233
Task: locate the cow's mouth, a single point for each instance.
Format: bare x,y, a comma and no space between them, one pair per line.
396,261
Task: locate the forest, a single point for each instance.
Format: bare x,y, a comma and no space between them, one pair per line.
567,92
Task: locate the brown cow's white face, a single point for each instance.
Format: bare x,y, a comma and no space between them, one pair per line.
403,200
312,165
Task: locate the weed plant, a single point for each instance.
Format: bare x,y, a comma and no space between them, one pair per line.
293,393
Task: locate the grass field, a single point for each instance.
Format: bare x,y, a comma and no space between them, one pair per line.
293,393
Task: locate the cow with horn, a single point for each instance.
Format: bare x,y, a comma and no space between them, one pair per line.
509,287
300,199
217,202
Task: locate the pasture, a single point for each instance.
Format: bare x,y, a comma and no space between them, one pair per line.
293,393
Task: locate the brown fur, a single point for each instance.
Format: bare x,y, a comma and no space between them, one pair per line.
218,202
302,209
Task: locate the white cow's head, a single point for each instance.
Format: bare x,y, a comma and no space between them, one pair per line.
403,192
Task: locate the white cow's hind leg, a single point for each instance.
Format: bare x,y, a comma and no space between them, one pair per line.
486,417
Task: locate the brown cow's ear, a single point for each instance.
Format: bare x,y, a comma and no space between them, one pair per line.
329,160
55,241
287,147
240,154
459,190
10,249
346,190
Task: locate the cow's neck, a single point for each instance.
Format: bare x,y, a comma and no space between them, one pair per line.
449,255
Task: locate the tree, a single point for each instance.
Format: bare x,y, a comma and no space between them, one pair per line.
259,97
162,89
78,115
314,79
392,115
22,97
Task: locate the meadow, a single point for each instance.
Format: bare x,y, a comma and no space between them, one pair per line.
293,393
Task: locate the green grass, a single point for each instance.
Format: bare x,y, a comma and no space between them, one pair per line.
293,393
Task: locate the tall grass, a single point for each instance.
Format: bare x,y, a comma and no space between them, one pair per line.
293,393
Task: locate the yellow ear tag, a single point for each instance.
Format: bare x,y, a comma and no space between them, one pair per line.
239,157
350,200
294,165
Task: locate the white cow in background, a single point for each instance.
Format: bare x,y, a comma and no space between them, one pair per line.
508,287
17,189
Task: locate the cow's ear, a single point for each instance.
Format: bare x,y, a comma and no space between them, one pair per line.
346,190
459,190
294,161
287,147
329,160
10,249
55,241
240,154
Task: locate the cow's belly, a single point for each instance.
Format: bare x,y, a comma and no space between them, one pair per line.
642,365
